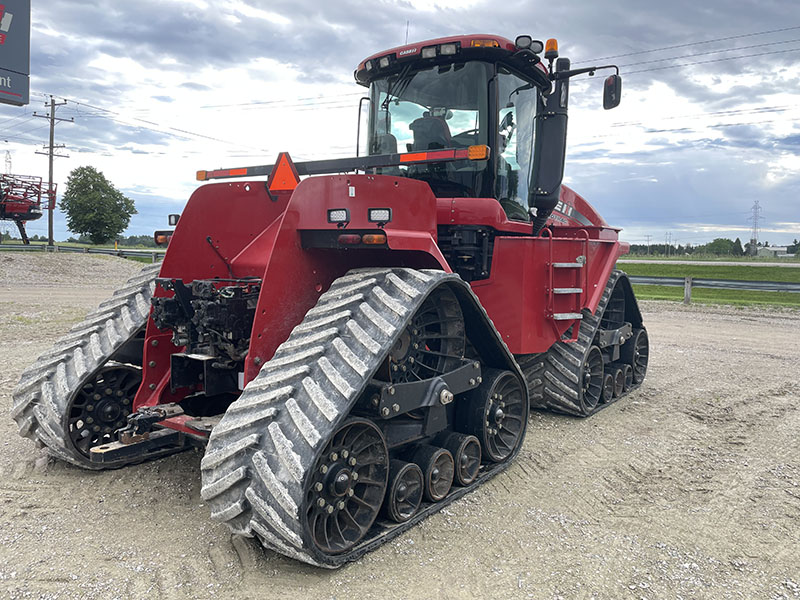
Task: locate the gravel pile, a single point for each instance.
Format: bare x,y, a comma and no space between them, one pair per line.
54,269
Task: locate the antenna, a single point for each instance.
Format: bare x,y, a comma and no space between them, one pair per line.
407,22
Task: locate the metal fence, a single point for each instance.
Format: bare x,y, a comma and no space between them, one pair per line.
721,284
154,255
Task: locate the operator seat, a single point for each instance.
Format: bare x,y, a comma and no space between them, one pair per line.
430,133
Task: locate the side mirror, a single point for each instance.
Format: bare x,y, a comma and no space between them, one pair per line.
612,91
173,220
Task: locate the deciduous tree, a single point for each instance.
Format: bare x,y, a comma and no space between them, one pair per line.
94,207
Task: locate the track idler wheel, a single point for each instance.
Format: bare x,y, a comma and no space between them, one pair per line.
404,495
466,451
495,414
347,487
636,352
437,468
593,379
101,406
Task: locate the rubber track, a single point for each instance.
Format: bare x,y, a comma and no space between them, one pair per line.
258,457
40,400
553,377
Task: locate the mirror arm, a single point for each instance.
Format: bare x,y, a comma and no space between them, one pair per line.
571,73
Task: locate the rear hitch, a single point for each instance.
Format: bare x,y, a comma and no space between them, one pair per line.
151,432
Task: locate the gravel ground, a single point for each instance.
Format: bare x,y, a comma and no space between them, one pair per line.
689,488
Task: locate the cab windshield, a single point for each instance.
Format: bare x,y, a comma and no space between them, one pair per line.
441,107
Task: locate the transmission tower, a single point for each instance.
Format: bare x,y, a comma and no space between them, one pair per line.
755,218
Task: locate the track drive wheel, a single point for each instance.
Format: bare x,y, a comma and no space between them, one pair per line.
495,414
636,352
404,495
347,486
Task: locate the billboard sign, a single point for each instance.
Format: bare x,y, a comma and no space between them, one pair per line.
15,51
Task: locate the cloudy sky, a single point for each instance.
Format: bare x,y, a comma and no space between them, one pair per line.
161,88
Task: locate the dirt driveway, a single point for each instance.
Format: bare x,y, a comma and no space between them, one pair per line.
690,488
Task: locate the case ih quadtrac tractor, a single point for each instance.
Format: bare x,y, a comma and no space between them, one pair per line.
358,349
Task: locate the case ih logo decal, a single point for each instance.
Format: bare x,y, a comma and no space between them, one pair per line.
5,23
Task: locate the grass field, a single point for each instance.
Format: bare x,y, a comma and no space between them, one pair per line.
713,296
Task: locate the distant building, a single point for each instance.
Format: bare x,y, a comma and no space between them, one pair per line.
775,252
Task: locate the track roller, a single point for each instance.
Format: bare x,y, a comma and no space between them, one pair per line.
437,468
618,378
608,388
466,451
627,372
404,495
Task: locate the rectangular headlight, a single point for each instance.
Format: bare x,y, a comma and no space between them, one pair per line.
379,215
384,62
338,215
368,65
447,49
429,52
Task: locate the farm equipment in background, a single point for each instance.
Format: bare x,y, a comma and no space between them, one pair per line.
21,200
355,351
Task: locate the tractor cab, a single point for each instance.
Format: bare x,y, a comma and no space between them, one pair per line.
456,93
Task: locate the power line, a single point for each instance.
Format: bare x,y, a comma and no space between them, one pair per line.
153,123
655,60
293,100
705,62
721,39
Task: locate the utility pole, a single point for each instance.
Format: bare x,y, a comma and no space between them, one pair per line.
648,243
51,148
8,162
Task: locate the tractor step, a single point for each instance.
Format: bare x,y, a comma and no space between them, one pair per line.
567,316
568,290
568,265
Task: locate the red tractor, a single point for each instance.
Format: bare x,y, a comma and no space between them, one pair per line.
355,351
21,200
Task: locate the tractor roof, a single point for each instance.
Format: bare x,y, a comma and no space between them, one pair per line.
445,50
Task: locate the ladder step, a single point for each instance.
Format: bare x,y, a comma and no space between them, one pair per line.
568,265
567,316
567,290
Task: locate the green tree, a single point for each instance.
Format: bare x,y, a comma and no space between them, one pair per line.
737,247
720,246
94,207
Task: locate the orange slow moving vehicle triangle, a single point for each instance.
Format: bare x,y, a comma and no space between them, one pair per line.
284,177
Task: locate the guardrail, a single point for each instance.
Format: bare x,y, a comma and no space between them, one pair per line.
725,284
154,255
